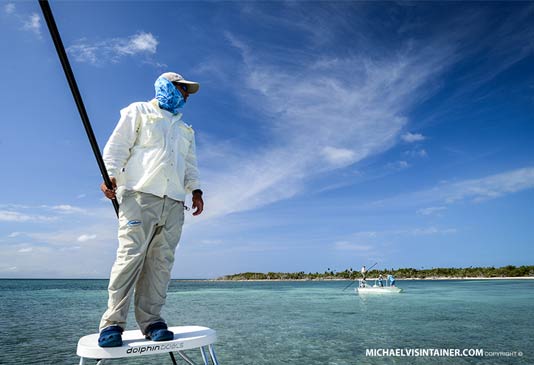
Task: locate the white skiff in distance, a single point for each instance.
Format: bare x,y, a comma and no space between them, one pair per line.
365,288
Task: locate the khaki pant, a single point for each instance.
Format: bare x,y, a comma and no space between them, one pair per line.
149,231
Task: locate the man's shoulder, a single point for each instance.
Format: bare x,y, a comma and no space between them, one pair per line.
141,106
189,127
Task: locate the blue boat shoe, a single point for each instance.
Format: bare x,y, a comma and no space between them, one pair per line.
111,336
158,332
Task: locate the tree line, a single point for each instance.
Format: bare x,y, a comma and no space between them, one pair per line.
470,272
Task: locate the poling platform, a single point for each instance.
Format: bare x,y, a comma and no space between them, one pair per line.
135,344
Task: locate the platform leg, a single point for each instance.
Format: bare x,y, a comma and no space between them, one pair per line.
204,356
186,358
212,354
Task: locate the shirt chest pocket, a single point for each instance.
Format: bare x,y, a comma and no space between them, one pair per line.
184,141
152,133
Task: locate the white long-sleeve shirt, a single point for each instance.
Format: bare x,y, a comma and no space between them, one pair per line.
152,151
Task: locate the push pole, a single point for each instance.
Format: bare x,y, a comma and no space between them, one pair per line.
355,280
52,27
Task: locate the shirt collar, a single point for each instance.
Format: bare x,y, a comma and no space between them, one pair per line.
158,112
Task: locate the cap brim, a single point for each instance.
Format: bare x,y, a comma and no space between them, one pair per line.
192,87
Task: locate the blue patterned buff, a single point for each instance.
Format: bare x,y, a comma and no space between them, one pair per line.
168,96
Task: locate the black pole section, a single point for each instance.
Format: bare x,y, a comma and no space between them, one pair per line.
355,280
51,23
352,283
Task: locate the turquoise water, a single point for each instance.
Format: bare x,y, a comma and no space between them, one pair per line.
313,323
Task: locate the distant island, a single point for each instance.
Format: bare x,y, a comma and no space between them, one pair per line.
509,271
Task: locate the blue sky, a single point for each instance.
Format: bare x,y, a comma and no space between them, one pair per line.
329,134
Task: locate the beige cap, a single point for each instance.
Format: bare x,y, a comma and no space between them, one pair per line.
192,87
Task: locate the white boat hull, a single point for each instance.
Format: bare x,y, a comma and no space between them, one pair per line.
378,290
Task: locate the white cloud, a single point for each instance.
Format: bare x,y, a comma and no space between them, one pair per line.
139,43
312,134
33,24
418,152
68,209
70,248
42,213
366,234
68,260
85,53
211,242
7,268
339,156
418,231
114,49
62,235
471,190
9,8
63,228
30,23
86,237
58,248
432,231
348,246
13,216
431,210
14,206
412,137
398,165
490,187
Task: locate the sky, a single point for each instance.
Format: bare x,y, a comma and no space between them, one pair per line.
330,135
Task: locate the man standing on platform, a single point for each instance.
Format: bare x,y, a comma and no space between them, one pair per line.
151,159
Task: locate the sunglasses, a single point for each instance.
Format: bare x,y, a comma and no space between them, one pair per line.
181,86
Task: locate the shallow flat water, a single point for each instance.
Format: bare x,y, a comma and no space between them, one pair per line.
313,323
